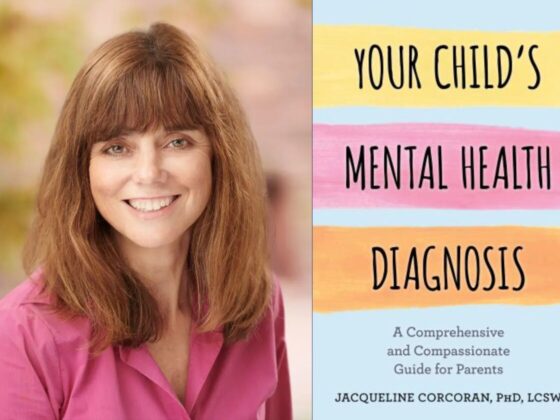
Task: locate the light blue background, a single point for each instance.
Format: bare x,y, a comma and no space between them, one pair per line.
490,15
433,217
349,354
530,118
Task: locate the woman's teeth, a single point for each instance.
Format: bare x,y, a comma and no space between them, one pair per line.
148,205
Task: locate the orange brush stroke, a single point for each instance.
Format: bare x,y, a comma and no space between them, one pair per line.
342,266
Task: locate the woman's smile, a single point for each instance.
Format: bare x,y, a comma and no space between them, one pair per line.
152,208
153,204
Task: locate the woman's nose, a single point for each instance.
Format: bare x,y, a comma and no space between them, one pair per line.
148,168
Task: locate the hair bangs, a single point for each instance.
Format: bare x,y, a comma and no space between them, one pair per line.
150,95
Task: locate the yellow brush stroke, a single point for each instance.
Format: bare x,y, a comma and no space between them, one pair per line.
335,76
342,266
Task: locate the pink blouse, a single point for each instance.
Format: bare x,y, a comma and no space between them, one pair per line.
46,372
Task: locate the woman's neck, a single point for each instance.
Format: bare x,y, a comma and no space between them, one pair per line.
163,271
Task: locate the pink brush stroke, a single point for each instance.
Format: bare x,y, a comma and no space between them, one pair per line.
329,166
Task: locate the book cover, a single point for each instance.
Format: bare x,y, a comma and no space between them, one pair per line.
435,210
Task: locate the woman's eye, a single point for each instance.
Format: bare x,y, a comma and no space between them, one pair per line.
115,149
178,143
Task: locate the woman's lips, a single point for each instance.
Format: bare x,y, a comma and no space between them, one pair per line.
151,207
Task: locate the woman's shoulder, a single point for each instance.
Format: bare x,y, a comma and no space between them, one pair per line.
28,312
36,348
277,299
21,308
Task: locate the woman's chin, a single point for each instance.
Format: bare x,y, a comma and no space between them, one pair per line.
151,241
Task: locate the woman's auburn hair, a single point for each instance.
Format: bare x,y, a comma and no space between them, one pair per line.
137,81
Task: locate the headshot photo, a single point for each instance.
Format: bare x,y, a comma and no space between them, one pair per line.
155,196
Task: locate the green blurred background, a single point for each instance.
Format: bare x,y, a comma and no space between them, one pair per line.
265,49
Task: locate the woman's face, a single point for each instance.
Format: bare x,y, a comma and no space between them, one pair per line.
151,187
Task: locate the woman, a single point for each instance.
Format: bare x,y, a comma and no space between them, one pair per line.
150,298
